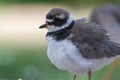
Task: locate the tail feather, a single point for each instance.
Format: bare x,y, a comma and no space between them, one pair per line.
115,48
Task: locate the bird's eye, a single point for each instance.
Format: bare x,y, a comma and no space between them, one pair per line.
49,17
57,20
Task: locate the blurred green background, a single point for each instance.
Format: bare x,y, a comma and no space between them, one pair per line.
75,2
23,46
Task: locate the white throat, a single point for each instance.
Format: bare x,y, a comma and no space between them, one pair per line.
53,28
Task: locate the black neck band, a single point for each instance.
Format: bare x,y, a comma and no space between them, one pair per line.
61,34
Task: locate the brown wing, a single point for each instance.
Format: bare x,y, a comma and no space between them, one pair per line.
92,41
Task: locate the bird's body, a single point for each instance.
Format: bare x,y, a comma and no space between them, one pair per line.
78,46
65,55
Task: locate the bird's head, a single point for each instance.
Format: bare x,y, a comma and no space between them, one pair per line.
57,19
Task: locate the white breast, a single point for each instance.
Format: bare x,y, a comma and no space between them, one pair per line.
65,56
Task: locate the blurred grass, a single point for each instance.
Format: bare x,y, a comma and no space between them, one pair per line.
27,65
69,2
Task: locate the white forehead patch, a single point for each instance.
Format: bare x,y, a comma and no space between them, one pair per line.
61,16
49,20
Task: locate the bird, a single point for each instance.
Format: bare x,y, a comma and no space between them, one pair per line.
78,46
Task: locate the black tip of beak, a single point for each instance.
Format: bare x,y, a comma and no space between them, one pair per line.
42,26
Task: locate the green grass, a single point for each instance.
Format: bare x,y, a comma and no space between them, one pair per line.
67,2
28,65
34,65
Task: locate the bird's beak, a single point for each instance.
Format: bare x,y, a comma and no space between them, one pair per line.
44,26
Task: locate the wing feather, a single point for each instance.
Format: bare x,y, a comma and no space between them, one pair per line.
92,40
